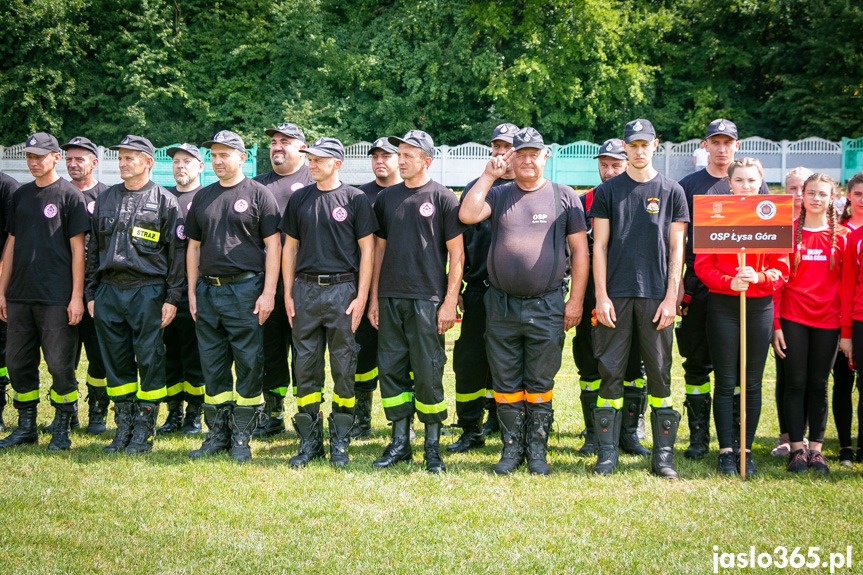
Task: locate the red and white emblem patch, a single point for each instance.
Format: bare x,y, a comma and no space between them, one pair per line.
50,211
181,232
91,205
340,214
241,206
427,209
296,186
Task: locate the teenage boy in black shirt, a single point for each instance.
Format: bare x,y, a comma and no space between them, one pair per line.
82,157
42,290
7,186
413,299
288,175
183,375
327,268
639,226
232,266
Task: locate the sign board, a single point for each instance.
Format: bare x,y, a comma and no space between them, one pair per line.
758,224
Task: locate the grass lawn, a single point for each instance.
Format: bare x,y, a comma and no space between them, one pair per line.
86,512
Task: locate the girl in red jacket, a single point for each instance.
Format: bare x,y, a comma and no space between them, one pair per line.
726,279
852,314
807,322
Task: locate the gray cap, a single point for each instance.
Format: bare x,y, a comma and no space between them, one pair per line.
326,148
527,138
383,144
188,148
722,127
226,138
639,129
287,129
417,139
137,143
81,142
612,148
504,132
42,143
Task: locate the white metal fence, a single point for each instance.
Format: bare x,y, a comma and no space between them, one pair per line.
457,165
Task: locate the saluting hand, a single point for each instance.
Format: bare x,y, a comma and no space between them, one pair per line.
496,166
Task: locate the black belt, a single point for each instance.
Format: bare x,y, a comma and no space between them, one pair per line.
225,280
328,279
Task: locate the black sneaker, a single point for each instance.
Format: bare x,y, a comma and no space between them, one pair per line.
846,457
797,462
750,465
818,463
727,463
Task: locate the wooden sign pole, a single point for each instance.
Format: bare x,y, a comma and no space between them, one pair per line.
741,258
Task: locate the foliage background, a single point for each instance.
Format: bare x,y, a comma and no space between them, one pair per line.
575,69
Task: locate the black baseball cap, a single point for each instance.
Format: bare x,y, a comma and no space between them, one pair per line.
722,127
288,129
527,138
639,129
326,148
504,132
417,139
42,143
612,148
137,143
383,144
226,138
81,142
188,148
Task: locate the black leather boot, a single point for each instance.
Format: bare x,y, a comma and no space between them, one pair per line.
698,414
272,419
97,412
399,448
431,449
192,420
538,430
630,415
60,440
341,427
606,424
664,423
123,414
26,431
175,416
74,423
143,427
512,436
471,438
243,421
311,432
219,435
362,416
491,425
588,404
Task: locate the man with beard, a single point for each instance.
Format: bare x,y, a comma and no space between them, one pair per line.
184,378
473,383
385,165
288,175
8,185
82,157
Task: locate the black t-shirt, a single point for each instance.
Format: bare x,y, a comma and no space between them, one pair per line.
8,185
42,220
184,199
701,183
328,225
371,190
231,224
639,216
522,260
477,240
283,187
91,194
416,224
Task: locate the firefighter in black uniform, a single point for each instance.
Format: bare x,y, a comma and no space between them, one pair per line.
612,161
232,264
473,383
385,165
7,186
82,157
327,268
184,378
288,175
134,283
536,224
